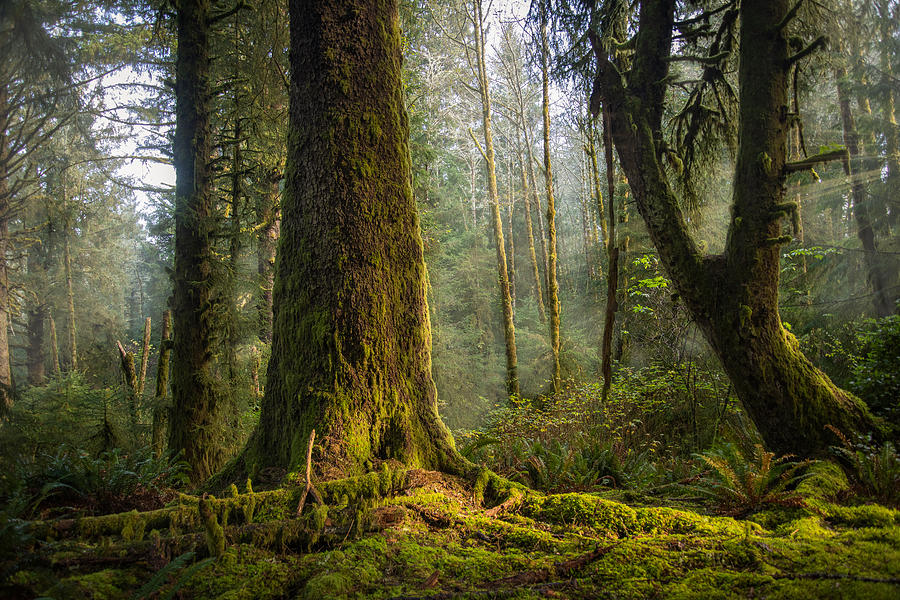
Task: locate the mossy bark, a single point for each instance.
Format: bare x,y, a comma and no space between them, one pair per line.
888,14
54,345
509,329
552,284
734,296
6,397
70,294
351,348
194,399
529,234
160,406
269,217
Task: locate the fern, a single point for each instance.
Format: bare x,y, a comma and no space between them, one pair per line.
742,484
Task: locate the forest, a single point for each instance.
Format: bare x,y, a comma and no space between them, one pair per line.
430,299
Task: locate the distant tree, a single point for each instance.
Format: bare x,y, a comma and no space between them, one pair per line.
733,297
351,348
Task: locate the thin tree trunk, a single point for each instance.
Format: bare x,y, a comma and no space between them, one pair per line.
864,230
509,330
529,234
70,301
612,270
889,12
510,204
145,358
54,346
194,418
269,215
595,176
130,378
160,406
35,351
552,285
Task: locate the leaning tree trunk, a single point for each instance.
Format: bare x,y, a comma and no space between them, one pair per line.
509,329
351,349
733,297
194,400
552,284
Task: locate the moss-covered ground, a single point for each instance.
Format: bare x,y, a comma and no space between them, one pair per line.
416,534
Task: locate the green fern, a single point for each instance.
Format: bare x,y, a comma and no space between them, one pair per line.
742,484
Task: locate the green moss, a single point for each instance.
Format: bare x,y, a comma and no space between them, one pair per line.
110,584
215,535
133,527
824,481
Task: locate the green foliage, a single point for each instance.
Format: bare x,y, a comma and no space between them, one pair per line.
110,482
874,469
744,483
875,374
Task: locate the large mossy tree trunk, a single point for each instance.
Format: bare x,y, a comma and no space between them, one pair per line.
734,296
351,348
192,427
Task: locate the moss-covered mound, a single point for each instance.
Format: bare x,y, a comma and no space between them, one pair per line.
416,534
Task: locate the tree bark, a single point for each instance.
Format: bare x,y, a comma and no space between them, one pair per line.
510,205
509,330
269,216
732,297
145,358
351,348
194,399
54,346
612,271
552,284
6,392
160,407
70,294
529,234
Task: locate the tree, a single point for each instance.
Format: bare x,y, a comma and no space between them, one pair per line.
351,342
509,329
733,296
552,285
194,397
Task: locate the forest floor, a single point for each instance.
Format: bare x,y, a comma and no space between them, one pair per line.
418,534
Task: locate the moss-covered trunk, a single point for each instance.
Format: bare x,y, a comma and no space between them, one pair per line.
160,406
552,284
6,397
269,218
351,348
509,329
194,403
529,234
734,296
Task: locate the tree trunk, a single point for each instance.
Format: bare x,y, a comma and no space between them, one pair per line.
852,168
552,285
612,271
732,297
54,346
529,234
889,15
509,330
194,399
35,350
160,406
70,297
269,216
145,358
351,349
510,205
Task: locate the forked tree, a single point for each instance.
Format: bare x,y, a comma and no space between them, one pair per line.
732,296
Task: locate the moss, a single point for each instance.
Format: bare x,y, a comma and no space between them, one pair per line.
215,535
870,515
110,584
824,481
327,585
133,527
